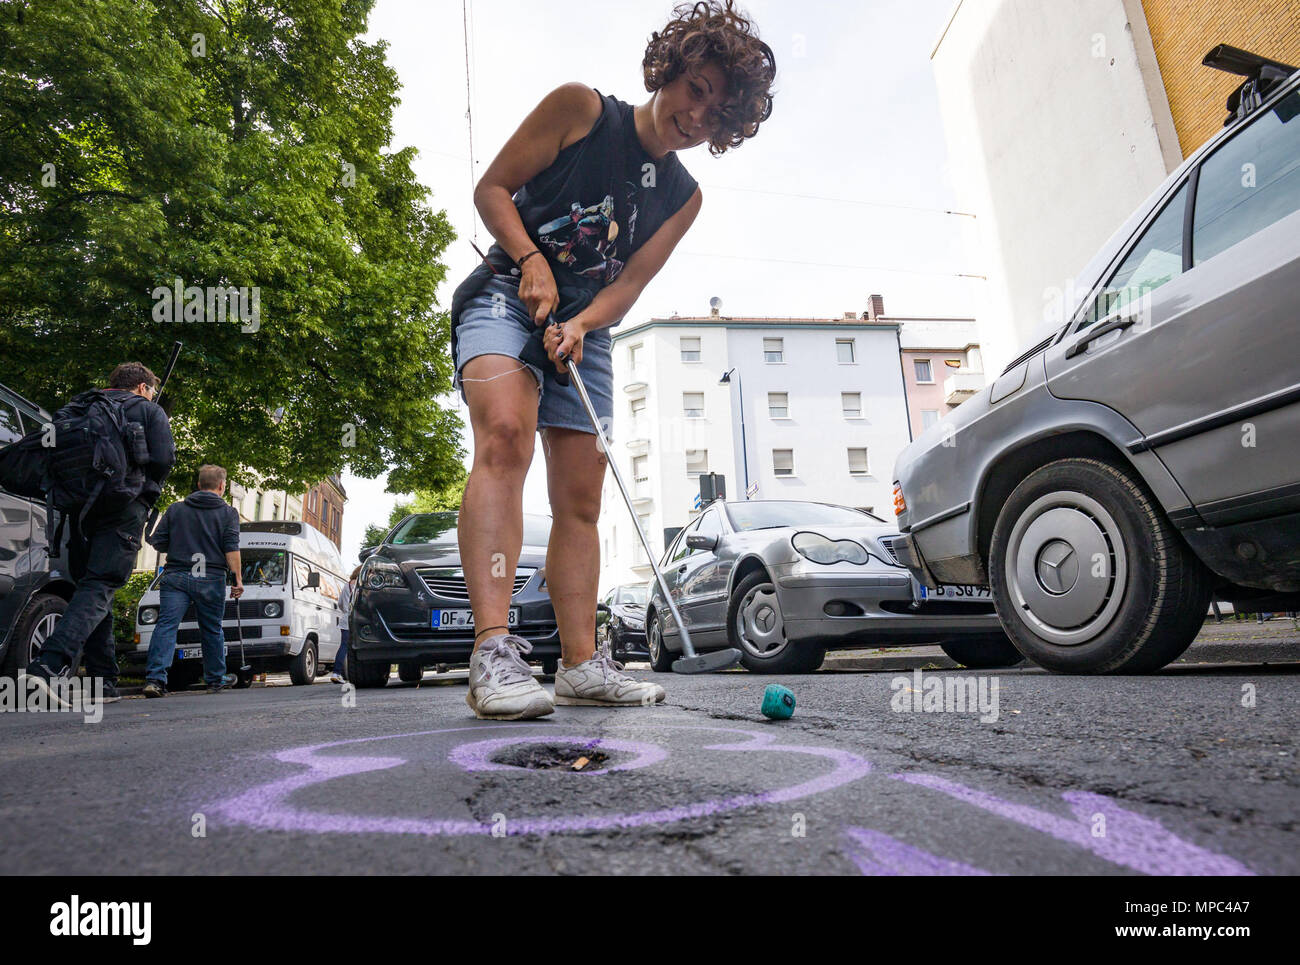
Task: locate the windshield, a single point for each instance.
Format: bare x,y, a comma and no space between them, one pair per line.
768,515
263,566
633,594
441,528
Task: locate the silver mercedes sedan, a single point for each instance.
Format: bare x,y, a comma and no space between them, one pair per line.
784,581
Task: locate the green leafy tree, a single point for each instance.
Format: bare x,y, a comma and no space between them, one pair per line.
229,144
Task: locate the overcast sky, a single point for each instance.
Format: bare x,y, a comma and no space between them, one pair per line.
840,195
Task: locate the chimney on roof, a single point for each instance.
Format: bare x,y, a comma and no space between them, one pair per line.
875,307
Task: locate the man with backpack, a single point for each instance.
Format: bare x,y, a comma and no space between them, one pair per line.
111,453
200,536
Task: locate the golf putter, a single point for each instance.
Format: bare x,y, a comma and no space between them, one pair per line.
245,667
690,662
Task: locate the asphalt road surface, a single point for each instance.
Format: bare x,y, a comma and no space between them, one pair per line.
1192,771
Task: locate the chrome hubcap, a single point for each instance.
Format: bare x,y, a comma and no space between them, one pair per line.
758,622
1066,567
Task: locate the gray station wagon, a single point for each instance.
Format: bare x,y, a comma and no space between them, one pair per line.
1145,455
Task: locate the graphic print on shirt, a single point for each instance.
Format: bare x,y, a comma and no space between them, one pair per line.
586,239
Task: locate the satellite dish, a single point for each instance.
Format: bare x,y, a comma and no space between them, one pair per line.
715,305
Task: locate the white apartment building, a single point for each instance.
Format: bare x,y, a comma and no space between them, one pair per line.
824,419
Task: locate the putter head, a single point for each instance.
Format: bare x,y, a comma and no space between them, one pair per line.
707,662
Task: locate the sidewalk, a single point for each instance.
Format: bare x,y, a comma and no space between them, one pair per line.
1232,641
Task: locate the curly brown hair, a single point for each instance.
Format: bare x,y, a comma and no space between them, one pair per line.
710,31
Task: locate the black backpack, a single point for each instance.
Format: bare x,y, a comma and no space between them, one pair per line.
97,458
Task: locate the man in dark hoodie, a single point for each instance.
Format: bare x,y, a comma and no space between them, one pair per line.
102,550
201,539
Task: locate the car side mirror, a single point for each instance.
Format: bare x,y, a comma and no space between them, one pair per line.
366,552
602,614
313,580
698,541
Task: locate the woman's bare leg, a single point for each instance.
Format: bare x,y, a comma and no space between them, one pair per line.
503,416
575,472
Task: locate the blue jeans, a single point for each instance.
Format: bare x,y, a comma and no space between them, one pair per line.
341,660
177,591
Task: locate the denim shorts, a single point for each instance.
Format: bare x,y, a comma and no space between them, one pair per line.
495,322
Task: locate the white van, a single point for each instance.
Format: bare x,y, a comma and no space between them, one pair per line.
289,612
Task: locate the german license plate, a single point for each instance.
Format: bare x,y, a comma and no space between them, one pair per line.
193,653
954,591
464,619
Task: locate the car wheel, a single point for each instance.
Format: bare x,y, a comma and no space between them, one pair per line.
31,629
409,671
983,651
302,670
661,658
756,628
1088,575
367,674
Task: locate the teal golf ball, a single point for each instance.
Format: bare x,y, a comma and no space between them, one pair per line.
778,702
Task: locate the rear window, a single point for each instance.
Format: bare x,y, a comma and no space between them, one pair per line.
1249,183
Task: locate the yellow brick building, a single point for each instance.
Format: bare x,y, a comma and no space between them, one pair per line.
1182,31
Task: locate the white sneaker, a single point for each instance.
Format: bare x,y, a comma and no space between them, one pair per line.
501,684
336,678
600,681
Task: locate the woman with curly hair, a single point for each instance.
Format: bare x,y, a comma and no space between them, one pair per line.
586,201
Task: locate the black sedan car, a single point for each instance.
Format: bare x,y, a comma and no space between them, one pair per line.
412,604
623,631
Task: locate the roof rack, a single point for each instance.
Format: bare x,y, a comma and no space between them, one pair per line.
1262,74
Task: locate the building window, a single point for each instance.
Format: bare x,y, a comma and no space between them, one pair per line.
690,348
783,462
633,357
929,417
693,404
641,475
923,373
778,405
637,408
773,350
312,499
697,463
851,403
844,351
858,462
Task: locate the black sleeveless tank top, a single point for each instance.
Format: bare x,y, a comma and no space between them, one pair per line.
599,201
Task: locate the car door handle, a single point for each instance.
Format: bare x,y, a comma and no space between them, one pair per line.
1116,324
682,568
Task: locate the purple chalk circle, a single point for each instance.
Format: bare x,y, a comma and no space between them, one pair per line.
267,806
477,756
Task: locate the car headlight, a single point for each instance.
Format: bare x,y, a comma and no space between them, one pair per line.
148,615
820,549
271,609
634,623
380,574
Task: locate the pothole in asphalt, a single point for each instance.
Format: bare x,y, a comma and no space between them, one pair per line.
552,757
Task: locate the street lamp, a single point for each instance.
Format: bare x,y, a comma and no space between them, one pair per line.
744,448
